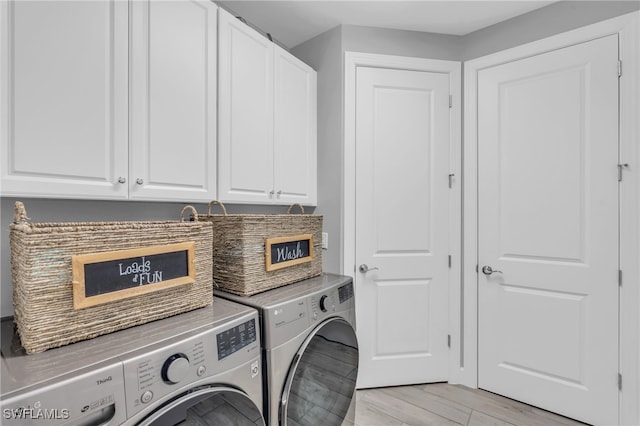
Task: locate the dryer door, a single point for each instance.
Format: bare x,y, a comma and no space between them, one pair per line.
322,378
210,405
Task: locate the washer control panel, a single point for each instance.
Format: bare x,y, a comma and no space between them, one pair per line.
326,303
156,373
164,370
235,338
291,311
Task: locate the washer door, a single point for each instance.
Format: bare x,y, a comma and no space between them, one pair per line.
210,405
322,378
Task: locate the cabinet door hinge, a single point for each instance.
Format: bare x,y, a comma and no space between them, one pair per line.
620,277
619,68
448,340
449,261
619,381
450,101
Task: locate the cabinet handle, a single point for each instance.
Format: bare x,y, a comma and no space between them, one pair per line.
122,180
279,193
271,193
139,181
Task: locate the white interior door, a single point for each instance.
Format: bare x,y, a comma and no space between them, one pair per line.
402,167
548,226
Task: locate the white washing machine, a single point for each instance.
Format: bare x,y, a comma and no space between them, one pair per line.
310,350
202,367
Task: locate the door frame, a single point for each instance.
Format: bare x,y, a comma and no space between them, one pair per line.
352,61
628,29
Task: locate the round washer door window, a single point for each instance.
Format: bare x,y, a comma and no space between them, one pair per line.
219,406
322,379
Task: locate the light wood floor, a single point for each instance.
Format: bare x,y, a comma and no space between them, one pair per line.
445,404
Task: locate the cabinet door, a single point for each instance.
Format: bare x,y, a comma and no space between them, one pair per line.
64,98
245,145
173,100
295,150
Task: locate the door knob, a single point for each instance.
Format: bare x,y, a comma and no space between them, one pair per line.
488,270
364,268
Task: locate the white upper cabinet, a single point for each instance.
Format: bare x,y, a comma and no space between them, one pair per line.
267,120
245,144
173,100
64,105
109,99
295,130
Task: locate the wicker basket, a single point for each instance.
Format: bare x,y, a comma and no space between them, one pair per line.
41,261
239,249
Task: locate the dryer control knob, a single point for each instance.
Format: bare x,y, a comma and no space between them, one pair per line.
323,306
175,368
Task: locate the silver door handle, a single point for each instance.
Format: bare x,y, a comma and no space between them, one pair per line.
364,268
488,270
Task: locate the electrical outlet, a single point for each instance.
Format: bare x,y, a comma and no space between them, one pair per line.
325,240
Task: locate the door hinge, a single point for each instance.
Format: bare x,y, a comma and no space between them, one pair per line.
620,277
621,167
451,175
449,261
448,340
619,381
450,101
619,68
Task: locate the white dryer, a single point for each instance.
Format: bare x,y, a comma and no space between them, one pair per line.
202,367
310,350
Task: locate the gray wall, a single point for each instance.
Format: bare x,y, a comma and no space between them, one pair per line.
324,55
401,43
540,23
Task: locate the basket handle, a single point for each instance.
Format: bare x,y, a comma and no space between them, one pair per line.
224,210
194,213
19,213
293,205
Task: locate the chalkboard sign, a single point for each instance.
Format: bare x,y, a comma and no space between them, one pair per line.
100,278
282,252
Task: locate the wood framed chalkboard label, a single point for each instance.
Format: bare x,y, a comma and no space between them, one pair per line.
282,252
100,278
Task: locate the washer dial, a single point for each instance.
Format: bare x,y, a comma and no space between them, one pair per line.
175,368
322,303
